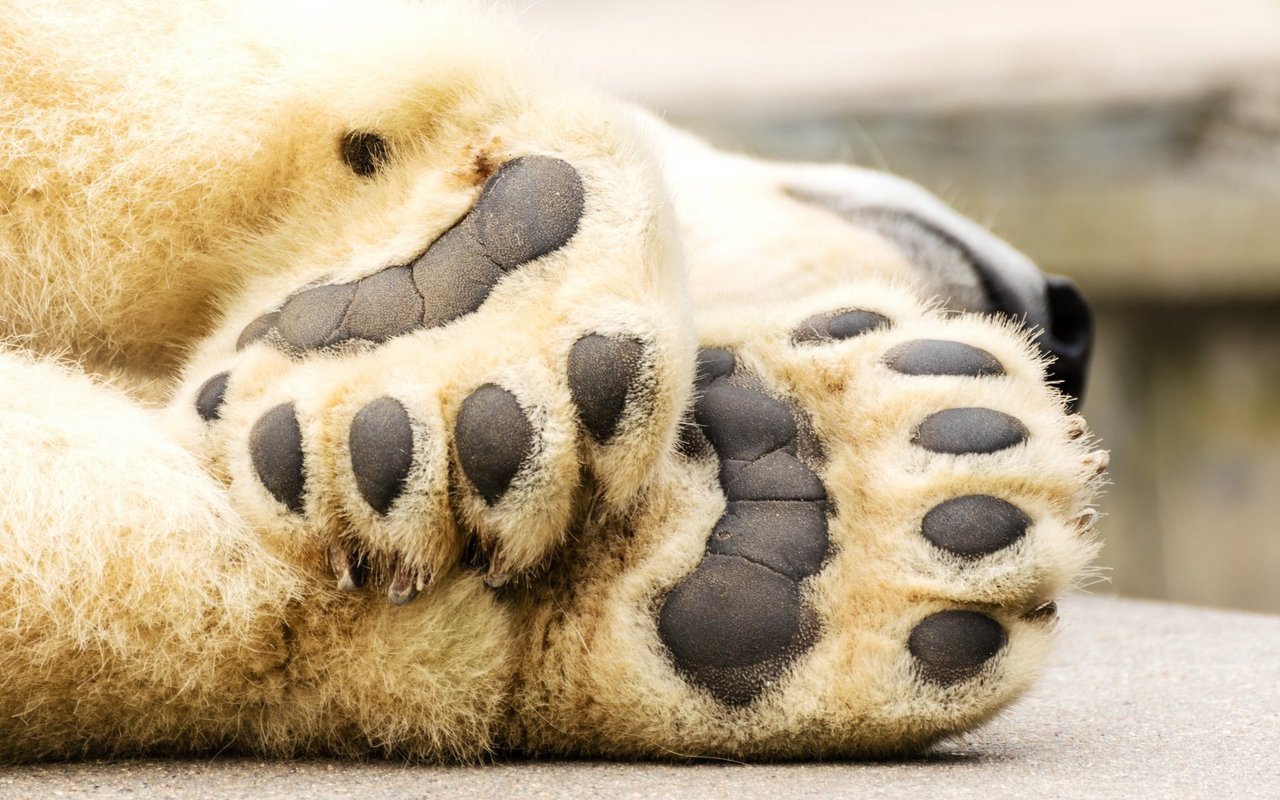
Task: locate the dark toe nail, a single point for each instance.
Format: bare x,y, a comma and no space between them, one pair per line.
275,446
499,572
381,443
350,571
209,398
1042,614
969,430
602,371
406,584
974,525
494,439
942,357
952,646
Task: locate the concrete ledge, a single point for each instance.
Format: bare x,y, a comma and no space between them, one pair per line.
1134,145
1142,700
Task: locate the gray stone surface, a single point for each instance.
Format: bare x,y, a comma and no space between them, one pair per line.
1142,699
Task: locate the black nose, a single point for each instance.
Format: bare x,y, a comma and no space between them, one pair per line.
1068,337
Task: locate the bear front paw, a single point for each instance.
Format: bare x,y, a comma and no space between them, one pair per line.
464,407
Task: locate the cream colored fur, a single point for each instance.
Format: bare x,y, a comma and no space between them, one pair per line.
171,171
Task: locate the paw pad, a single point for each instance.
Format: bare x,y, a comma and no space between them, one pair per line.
837,325
952,646
210,396
942,357
602,372
381,444
275,446
969,430
494,439
974,525
530,207
736,622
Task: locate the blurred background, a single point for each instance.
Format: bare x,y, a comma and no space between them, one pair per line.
1131,144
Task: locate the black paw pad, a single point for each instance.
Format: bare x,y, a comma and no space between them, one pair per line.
713,363
494,438
602,371
974,525
741,423
311,317
275,446
257,329
385,305
529,208
733,625
942,357
786,536
775,476
969,430
209,398
381,443
737,621
839,325
952,646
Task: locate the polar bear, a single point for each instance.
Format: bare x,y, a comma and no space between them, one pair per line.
369,389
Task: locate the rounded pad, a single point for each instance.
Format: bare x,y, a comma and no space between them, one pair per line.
942,357
736,622
974,525
969,430
952,646
311,317
839,325
528,208
385,305
713,363
494,439
602,371
257,329
776,476
209,398
743,424
275,446
381,443
454,276
732,626
787,537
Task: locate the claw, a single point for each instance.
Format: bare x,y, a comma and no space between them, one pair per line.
1084,521
1047,612
1076,426
350,573
405,585
1098,461
499,571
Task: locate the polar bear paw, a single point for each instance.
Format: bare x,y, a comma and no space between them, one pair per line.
891,499
439,410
